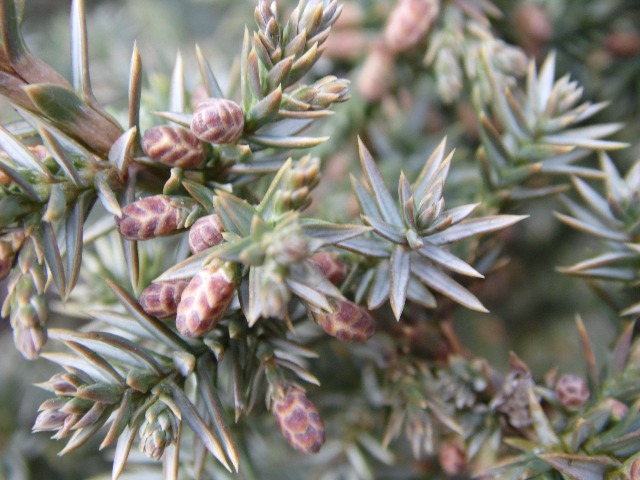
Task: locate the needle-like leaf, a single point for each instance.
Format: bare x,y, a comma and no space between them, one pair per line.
384,201
434,278
210,82
399,274
135,89
197,424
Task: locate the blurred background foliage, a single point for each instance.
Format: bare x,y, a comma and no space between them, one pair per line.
532,305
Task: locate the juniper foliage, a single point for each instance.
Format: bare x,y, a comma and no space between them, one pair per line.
224,255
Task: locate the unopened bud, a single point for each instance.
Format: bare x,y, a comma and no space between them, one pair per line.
376,75
173,146
618,409
328,90
450,78
152,217
273,294
348,322
161,299
205,232
572,391
62,414
509,60
217,120
159,430
26,305
298,183
52,418
205,300
452,459
330,265
289,249
286,244
409,23
299,420
30,341
300,198
141,380
513,398
65,383
306,172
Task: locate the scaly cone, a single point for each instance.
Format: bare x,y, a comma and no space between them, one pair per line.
161,299
154,216
299,420
205,300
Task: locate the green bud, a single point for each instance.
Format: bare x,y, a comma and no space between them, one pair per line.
25,303
158,431
141,380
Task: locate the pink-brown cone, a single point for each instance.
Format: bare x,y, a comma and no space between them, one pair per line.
149,217
204,233
572,391
204,301
299,421
217,120
173,146
348,322
161,299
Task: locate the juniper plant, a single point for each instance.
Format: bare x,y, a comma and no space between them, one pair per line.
205,276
